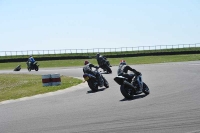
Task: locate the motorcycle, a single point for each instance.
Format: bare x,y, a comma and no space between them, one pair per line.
129,89
93,81
34,66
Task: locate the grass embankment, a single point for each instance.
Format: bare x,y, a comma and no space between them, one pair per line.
17,86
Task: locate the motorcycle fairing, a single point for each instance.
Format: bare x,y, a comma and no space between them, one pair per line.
119,80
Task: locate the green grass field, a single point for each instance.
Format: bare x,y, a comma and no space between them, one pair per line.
113,61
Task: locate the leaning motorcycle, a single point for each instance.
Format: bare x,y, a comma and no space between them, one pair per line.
93,81
129,89
34,66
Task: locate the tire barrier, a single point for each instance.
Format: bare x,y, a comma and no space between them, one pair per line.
51,79
55,79
46,80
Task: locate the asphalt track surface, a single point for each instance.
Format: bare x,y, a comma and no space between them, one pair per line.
173,105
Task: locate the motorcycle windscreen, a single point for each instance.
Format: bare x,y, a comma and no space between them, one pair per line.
35,63
119,80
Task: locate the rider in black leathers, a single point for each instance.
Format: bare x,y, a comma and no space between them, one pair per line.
123,71
88,69
101,60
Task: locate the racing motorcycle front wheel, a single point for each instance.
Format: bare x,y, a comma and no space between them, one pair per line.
93,85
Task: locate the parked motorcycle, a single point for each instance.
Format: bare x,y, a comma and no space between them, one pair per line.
34,66
129,89
93,81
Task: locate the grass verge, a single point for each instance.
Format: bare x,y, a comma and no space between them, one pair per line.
14,86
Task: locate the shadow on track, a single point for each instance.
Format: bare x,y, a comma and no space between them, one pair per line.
134,97
90,91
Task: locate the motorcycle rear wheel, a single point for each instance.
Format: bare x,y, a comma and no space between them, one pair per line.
126,92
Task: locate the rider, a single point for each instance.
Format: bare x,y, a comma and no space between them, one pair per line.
31,60
123,70
88,69
101,60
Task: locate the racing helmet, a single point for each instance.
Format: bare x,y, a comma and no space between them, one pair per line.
122,62
98,54
86,62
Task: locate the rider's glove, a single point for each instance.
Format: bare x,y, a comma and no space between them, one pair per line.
138,73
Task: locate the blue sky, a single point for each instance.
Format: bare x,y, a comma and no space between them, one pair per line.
85,24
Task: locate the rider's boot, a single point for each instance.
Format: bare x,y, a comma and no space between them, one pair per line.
29,64
109,64
139,89
133,82
136,86
100,80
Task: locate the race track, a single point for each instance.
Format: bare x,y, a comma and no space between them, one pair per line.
173,105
